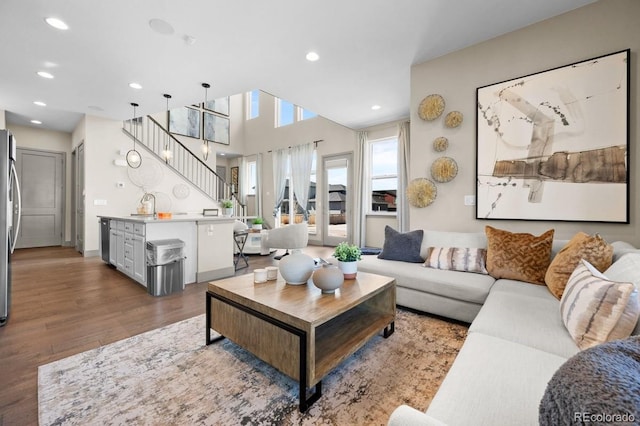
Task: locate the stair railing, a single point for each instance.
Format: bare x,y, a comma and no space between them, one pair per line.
162,144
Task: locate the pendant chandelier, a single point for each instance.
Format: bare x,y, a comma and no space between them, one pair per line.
166,152
134,159
205,143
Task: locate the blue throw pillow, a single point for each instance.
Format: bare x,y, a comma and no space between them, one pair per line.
404,247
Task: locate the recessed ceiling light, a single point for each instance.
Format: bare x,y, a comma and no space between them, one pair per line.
36,121
40,103
135,85
312,56
376,107
160,26
45,74
57,23
222,154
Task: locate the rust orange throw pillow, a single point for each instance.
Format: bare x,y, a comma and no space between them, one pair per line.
593,249
518,256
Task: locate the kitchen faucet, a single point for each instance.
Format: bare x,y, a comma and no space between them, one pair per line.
147,197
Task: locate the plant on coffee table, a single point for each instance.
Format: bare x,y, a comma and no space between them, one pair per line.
347,256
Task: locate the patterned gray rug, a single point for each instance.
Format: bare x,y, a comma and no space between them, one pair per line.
169,376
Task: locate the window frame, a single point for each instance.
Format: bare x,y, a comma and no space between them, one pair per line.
371,177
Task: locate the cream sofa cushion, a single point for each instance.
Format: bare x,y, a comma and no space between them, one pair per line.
526,314
451,239
494,382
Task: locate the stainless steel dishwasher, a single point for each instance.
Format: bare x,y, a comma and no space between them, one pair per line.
104,238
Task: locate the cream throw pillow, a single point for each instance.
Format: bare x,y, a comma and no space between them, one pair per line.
457,259
596,310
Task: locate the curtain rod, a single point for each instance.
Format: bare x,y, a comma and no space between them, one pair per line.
314,142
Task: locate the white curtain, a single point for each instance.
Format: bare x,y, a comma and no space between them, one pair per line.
360,190
403,176
279,158
301,162
259,185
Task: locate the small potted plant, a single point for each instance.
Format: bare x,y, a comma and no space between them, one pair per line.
227,208
257,223
347,256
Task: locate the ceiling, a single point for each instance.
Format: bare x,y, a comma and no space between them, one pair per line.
366,49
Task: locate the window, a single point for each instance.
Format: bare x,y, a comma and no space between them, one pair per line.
383,169
253,104
251,178
306,114
286,112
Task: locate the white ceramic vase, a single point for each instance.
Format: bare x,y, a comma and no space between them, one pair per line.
296,268
328,278
349,269
227,211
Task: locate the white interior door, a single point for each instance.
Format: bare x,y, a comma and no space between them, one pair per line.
41,175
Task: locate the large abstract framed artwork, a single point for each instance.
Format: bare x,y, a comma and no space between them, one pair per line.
185,121
554,145
216,128
220,105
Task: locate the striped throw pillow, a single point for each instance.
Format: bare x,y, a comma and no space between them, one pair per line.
596,310
457,259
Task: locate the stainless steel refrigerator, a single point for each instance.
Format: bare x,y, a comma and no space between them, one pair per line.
10,212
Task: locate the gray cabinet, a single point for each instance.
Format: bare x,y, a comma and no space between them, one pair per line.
139,260
119,249
112,246
127,249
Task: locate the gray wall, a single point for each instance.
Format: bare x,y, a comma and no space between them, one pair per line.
597,29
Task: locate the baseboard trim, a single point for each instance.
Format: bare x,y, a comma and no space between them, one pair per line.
215,274
91,253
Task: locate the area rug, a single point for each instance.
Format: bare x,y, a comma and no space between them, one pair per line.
169,376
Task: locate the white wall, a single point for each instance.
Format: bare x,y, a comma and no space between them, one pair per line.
2,120
50,140
103,140
261,136
597,29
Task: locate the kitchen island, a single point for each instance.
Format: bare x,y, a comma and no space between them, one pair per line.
208,244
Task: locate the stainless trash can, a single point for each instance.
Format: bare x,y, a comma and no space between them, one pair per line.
165,267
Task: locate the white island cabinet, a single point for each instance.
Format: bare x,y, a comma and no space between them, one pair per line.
208,245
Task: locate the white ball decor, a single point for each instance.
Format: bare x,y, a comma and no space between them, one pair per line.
296,268
328,278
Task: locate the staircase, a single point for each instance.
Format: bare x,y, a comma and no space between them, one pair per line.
156,140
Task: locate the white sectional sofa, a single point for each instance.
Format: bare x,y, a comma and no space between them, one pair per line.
516,341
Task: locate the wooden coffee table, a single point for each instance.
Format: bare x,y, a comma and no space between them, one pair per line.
298,330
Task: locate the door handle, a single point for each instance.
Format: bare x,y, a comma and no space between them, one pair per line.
14,173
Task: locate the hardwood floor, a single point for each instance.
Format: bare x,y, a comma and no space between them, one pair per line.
64,304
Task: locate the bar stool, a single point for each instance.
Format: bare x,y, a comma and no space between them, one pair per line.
240,238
